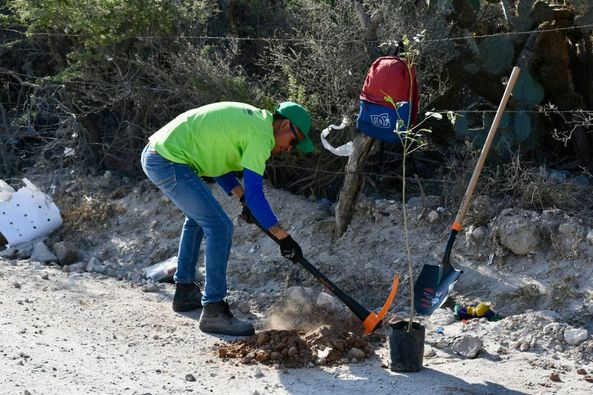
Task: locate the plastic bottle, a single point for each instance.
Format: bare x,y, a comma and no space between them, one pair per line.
161,271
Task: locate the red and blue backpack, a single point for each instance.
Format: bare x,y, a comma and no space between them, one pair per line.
377,118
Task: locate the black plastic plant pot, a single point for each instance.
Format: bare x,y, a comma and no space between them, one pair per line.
406,348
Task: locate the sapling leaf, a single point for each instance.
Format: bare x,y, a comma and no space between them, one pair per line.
432,114
452,117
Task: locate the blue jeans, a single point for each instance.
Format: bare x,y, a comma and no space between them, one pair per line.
203,217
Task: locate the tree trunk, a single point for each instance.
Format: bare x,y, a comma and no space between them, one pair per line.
362,144
361,147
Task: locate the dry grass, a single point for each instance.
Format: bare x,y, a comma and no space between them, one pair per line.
516,184
84,214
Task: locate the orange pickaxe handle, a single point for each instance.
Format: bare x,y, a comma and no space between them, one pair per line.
371,322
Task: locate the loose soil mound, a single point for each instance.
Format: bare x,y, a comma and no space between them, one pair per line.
290,348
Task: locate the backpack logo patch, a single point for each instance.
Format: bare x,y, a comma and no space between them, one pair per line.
381,121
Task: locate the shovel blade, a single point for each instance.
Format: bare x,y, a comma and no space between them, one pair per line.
433,287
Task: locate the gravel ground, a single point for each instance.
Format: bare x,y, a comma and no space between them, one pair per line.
75,333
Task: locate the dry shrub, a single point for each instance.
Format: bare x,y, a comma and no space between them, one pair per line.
564,291
515,184
84,214
540,194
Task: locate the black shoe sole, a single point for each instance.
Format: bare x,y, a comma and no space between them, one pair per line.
250,333
181,308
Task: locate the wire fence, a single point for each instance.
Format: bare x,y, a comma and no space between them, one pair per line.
304,40
424,41
297,40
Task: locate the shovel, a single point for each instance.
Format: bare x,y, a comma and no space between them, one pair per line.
435,282
370,320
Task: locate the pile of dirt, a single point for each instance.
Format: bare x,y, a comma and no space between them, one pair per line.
325,345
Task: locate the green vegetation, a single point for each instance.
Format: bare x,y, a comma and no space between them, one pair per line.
99,76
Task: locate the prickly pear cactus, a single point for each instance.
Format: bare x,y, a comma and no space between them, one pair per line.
524,7
496,54
528,92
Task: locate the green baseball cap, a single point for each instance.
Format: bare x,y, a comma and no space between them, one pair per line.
297,114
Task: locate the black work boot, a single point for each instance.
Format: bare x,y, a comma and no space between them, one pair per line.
187,297
217,318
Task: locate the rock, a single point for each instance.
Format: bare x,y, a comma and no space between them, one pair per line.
433,217
429,352
552,328
190,377
554,377
430,201
77,267
570,234
518,231
247,359
66,252
151,287
106,180
385,208
588,378
443,343
442,317
9,253
581,371
42,254
575,336
501,350
95,266
524,347
329,303
479,233
356,353
244,307
262,356
257,372
262,338
23,252
467,346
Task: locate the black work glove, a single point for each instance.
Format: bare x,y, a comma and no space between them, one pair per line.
290,249
245,213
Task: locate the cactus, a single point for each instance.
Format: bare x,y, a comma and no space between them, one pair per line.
489,59
496,54
514,129
524,7
471,68
528,92
522,127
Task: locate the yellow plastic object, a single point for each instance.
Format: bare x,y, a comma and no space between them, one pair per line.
482,309
370,323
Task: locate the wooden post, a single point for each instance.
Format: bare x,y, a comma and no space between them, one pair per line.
361,147
362,144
